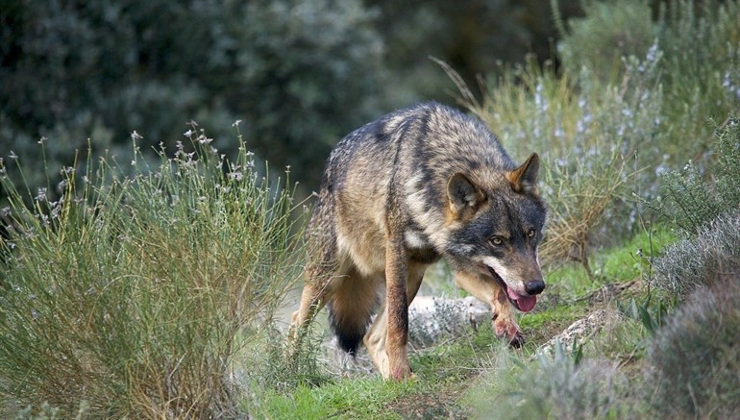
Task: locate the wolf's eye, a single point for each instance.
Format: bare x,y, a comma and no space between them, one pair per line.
531,233
496,240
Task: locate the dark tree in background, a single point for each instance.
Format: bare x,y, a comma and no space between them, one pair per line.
298,74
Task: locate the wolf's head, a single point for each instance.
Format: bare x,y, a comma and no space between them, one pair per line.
495,226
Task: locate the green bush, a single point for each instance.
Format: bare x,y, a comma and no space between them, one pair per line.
556,386
130,294
694,197
609,32
708,258
695,360
290,70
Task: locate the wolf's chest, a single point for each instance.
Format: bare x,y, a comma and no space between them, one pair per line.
419,248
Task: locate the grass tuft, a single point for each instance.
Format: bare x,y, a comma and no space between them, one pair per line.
132,290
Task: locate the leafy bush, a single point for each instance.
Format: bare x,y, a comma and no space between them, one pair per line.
131,294
78,70
607,33
708,258
694,198
700,70
552,386
695,359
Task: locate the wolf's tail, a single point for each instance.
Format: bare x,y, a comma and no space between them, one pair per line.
351,309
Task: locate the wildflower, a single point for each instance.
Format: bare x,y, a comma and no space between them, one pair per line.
135,136
42,140
41,195
5,212
12,155
236,123
189,133
652,54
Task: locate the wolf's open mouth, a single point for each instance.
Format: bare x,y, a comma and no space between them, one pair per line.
523,303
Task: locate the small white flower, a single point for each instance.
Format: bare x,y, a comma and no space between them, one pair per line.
41,195
236,123
135,136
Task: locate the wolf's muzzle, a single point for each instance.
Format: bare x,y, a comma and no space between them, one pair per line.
534,287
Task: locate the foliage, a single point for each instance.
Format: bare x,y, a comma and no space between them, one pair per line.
695,358
607,33
557,385
694,197
710,257
78,70
132,293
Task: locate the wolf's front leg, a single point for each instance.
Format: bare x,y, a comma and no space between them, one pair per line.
396,309
490,292
504,320
375,338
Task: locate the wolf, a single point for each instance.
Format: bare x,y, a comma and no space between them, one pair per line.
419,184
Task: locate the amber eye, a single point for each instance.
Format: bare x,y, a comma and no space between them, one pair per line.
531,233
496,240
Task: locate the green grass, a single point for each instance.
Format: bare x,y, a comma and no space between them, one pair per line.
629,261
361,398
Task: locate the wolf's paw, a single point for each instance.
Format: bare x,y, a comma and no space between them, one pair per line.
510,332
402,373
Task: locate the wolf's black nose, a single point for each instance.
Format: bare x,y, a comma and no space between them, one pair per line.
534,287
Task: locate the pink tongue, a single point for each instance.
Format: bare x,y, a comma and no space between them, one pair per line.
525,303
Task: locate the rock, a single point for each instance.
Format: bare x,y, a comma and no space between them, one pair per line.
581,330
432,319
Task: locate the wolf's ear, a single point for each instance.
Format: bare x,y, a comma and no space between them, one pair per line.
524,178
463,194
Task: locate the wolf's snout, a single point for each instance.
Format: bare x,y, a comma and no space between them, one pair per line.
534,287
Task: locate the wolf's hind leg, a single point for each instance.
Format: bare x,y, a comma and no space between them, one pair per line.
315,293
351,307
490,292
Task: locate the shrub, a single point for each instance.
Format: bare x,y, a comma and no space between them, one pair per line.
607,33
552,386
78,70
132,293
695,360
694,197
708,258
